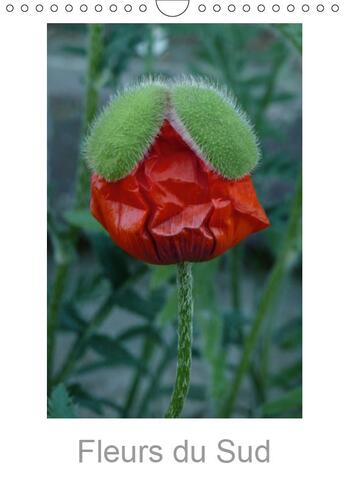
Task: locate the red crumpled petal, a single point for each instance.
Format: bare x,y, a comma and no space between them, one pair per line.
174,208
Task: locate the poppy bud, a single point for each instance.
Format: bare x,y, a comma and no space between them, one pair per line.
171,168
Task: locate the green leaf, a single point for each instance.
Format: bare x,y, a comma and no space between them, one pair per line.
115,263
281,406
138,331
145,307
289,336
210,323
234,323
90,401
70,320
168,313
58,237
83,219
108,363
289,377
282,97
161,275
60,405
111,349
85,399
292,33
75,50
90,286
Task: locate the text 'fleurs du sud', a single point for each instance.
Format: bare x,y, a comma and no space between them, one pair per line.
227,451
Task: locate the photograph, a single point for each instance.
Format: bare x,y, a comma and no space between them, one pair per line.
174,247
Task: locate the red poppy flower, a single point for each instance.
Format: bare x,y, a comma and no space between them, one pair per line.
173,207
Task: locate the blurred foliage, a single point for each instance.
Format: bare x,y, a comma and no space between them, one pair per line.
116,319
60,404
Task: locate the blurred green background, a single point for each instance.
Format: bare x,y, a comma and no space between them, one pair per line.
111,319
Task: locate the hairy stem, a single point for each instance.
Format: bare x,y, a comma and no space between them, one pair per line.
268,296
185,329
95,54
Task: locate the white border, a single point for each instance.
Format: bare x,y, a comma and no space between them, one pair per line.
130,10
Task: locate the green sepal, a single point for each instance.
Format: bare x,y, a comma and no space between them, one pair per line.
125,130
217,129
208,121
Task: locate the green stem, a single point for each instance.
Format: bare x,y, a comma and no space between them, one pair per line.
296,41
94,68
53,311
235,263
264,357
132,392
95,55
184,348
149,60
235,271
269,92
156,379
267,299
80,342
